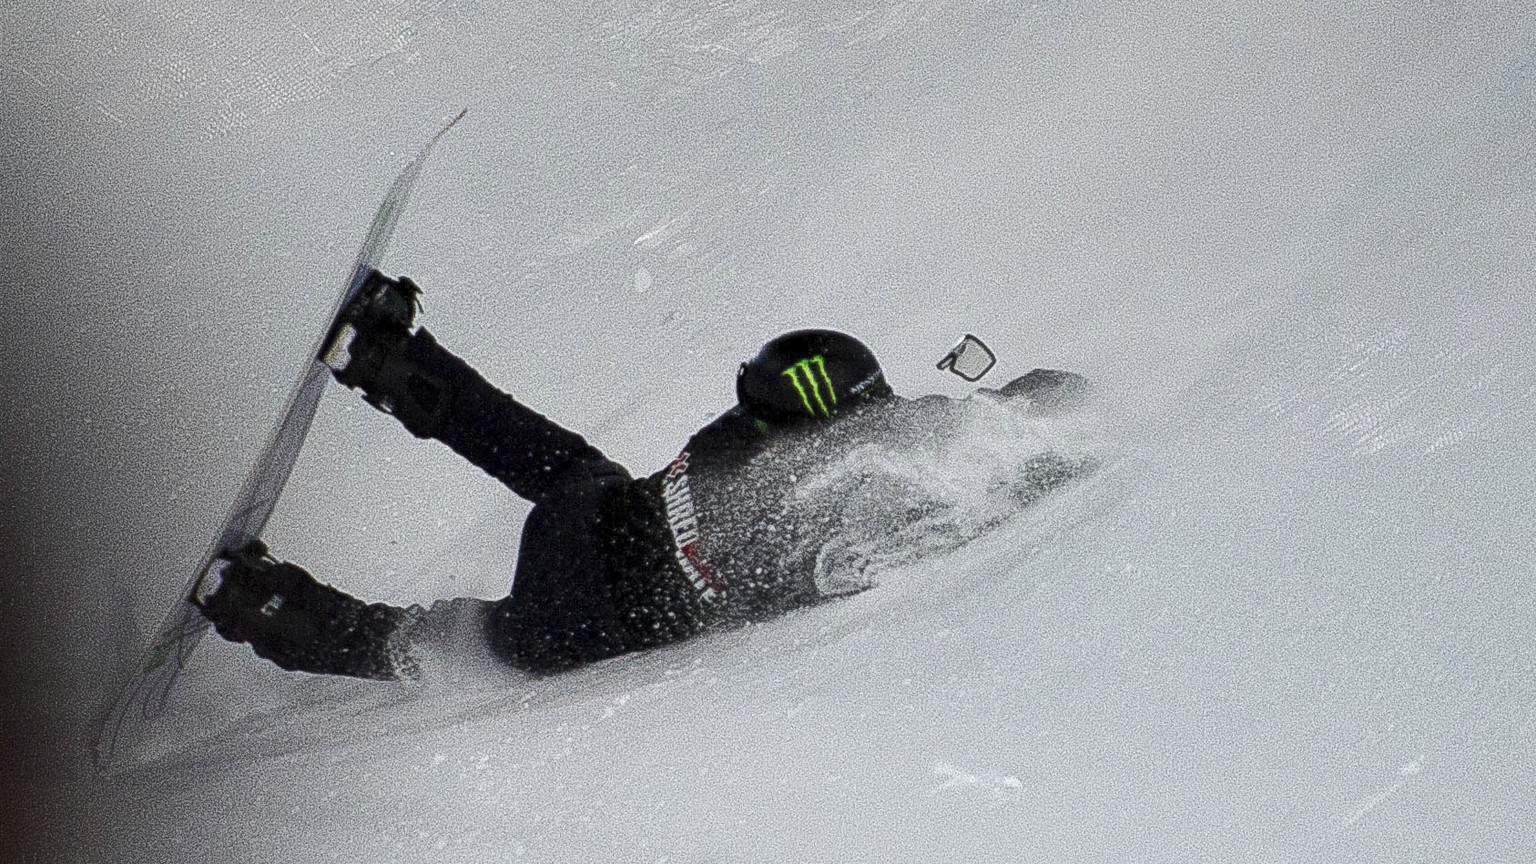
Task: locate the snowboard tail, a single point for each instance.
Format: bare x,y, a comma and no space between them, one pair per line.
149,685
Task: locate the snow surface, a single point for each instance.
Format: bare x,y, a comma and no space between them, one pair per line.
1291,619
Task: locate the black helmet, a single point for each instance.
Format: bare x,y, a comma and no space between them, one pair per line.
809,373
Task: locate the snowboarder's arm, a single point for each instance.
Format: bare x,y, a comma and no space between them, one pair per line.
1039,389
1043,388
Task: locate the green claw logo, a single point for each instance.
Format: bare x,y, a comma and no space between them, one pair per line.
808,385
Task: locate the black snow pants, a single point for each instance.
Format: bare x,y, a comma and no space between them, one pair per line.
561,611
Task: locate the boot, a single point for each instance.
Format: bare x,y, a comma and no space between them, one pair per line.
369,350
371,328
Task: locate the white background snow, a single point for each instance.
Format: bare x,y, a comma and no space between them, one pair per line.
1294,619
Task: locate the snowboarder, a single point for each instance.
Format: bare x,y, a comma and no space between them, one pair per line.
607,563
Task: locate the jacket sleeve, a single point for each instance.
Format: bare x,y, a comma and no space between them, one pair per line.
1044,388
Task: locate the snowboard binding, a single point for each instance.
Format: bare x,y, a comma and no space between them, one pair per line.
244,587
371,327
293,620
368,349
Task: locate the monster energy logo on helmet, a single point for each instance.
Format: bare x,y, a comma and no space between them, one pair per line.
809,374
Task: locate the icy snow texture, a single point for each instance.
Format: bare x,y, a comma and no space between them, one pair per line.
1291,621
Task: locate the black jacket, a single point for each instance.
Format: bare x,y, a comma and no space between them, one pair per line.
724,534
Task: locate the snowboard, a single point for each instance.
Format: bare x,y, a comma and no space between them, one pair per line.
148,688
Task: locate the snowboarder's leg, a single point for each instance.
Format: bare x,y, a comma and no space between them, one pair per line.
560,612
296,622
594,579
434,394
531,454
